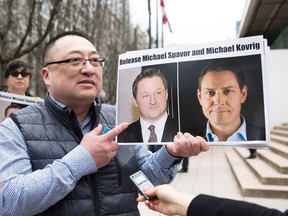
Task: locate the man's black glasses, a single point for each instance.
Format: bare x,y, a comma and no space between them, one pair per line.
95,62
23,73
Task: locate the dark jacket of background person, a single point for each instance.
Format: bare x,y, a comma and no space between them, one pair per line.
64,135
205,205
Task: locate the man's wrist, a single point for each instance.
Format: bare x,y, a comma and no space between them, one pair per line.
80,162
170,150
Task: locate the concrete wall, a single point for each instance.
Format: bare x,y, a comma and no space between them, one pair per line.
277,81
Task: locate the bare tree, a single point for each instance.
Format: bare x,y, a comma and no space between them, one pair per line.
17,36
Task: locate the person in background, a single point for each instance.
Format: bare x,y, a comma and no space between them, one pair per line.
103,97
55,159
184,165
17,77
12,108
171,202
221,93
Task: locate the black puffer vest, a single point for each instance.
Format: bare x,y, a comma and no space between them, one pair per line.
51,132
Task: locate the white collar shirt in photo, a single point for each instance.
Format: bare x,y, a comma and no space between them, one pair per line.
239,135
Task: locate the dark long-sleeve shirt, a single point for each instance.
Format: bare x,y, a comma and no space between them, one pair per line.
205,205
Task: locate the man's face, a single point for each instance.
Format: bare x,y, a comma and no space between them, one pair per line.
69,84
151,99
221,97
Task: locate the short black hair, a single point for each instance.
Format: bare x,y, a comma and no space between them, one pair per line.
52,41
14,106
219,65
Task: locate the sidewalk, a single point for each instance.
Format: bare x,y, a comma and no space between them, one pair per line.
210,173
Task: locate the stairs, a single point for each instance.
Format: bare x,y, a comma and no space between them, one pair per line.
266,175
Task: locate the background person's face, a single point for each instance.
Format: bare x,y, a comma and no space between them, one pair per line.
18,84
11,110
221,97
151,99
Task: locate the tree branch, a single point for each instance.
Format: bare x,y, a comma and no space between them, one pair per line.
47,30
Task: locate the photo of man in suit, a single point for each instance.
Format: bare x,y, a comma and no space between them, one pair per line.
221,93
150,95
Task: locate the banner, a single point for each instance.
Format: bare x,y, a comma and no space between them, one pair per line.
17,101
224,108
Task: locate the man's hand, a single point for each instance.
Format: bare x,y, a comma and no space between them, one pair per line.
186,145
102,147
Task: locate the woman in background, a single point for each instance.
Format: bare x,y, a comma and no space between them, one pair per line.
17,77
